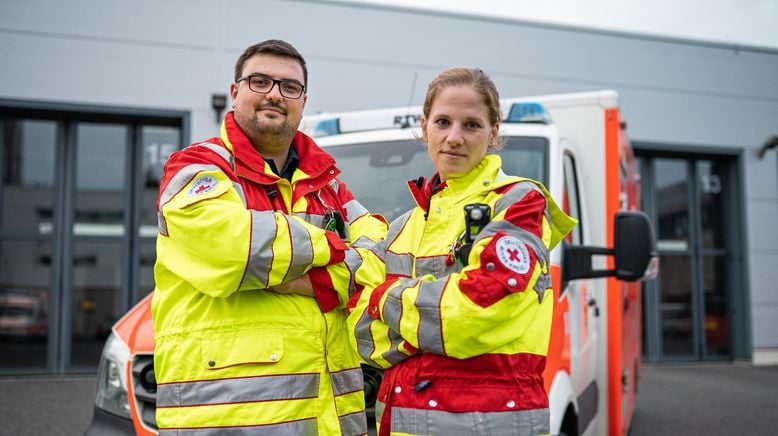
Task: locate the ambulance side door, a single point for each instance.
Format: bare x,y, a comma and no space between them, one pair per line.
584,310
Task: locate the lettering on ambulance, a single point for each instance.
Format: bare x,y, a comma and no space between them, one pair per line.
405,121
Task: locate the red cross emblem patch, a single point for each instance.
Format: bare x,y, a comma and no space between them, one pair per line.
202,185
513,254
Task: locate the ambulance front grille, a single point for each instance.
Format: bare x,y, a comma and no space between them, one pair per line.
144,386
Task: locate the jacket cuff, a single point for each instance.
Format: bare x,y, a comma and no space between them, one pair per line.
374,305
337,248
323,289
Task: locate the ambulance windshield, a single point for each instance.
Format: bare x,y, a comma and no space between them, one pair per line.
377,172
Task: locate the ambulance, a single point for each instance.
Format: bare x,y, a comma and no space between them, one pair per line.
577,146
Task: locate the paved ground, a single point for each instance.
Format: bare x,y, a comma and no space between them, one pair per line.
46,405
711,399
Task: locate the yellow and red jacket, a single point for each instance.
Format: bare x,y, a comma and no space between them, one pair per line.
229,353
464,348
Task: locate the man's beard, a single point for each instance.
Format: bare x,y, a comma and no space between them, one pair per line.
270,133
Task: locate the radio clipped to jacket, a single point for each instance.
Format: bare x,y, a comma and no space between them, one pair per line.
333,221
477,216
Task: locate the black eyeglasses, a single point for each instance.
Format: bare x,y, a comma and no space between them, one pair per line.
263,84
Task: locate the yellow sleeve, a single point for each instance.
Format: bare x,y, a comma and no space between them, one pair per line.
210,239
496,303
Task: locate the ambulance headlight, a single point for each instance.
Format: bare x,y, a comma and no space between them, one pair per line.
112,378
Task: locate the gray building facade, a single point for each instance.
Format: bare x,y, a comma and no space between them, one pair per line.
95,95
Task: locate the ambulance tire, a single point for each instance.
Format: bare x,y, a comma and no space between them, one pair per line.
569,423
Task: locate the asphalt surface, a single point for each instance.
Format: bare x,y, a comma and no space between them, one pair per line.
700,399
710,399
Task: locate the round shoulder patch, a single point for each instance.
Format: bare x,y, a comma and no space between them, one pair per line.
202,185
513,254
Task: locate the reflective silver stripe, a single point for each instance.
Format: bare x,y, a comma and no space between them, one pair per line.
527,237
379,411
394,355
365,345
318,221
347,381
352,260
401,264
430,324
511,197
368,244
397,226
238,390
161,223
228,158
534,242
301,248
293,428
354,210
239,189
181,179
425,422
435,265
354,424
218,149
177,183
263,234
514,195
427,303
543,283
313,218
392,310
263,230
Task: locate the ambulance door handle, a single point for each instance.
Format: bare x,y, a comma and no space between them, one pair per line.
593,303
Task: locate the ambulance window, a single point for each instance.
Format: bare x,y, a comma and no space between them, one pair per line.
376,173
571,199
526,156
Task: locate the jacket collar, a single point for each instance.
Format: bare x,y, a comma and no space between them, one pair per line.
480,178
314,163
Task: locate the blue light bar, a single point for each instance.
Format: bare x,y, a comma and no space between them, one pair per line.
327,127
528,113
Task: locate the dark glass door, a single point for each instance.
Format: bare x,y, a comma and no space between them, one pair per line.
28,187
77,232
688,309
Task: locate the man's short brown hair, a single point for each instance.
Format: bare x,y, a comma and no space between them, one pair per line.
275,47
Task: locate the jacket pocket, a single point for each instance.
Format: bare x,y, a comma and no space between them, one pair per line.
225,352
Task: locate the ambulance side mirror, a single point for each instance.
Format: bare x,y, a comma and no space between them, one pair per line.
632,252
633,245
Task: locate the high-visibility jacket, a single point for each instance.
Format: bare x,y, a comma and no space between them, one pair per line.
465,347
230,355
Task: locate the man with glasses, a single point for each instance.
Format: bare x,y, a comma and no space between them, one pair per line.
260,247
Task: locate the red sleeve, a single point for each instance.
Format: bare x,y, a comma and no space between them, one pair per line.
507,263
323,289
